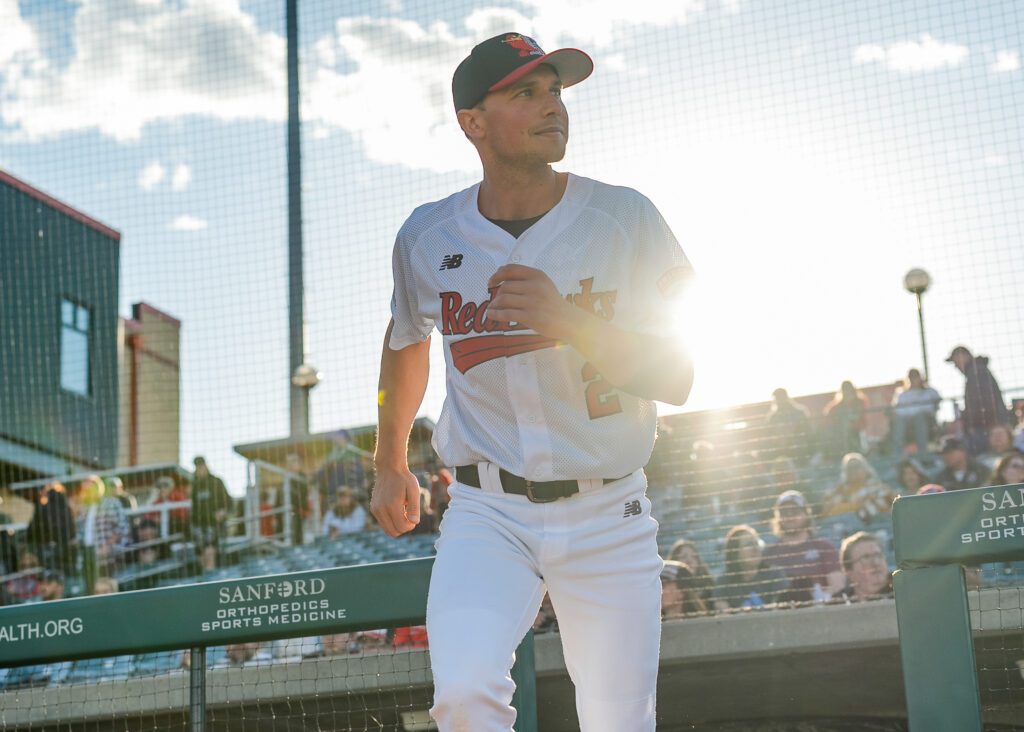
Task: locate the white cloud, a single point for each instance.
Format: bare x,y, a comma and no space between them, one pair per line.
136,63
151,175
188,223
397,100
384,80
1006,61
927,54
598,24
181,178
16,36
995,160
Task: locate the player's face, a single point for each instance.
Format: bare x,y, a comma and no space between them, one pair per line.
527,121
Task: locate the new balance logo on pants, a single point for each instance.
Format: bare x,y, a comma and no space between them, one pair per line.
632,509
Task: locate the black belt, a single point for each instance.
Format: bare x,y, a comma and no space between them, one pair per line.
538,491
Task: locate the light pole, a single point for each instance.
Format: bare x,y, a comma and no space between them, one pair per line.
304,378
917,281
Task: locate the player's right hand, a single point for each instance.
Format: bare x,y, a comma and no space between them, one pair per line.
396,500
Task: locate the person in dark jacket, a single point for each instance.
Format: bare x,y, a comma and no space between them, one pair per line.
984,407
51,531
211,504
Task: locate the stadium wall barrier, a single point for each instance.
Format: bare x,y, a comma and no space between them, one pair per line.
935,537
293,605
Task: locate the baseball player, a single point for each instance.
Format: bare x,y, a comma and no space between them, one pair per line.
551,292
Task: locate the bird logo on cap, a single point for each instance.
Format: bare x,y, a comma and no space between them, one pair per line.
524,44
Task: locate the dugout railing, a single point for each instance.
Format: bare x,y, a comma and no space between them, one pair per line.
936,537
196,617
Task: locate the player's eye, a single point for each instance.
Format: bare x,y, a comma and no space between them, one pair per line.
525,93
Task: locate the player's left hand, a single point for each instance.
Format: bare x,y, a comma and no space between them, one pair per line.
528,297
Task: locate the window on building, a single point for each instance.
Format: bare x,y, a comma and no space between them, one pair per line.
74,348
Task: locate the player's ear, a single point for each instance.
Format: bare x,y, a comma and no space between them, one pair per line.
471,121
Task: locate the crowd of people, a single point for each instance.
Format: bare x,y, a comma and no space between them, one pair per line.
776,558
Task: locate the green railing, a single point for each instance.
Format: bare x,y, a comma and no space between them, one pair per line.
936,536
254,609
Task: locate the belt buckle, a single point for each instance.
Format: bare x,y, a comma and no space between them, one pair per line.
535,499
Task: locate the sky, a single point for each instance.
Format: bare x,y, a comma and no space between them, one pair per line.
806,153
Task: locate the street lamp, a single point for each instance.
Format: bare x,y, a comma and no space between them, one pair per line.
917,281
304,378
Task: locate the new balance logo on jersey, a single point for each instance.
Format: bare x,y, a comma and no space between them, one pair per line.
632,509
451,261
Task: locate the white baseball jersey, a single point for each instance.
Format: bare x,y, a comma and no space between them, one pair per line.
527,403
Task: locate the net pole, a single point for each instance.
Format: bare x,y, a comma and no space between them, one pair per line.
197,689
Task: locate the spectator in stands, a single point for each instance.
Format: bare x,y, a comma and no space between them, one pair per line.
790,427
168,491
748,580
410,638
298,492
51,531
546,621
686,552
914,406
269,523
845,417
149,551
1018,431
1009,470
427,522
680,594
24,587
1000,442
346,516
114,487
8,550
811,564
911,476
860,491
211,504
983,400
960,470
244,654
440,482
864,564
51,585
105,586
101,523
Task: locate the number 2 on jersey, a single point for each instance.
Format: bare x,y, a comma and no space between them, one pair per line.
601,399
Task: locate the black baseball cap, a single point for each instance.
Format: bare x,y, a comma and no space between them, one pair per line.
508,57
956,351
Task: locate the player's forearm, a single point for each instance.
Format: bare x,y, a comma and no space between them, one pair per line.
403,382
646,366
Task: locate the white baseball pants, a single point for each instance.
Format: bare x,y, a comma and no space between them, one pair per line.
596,553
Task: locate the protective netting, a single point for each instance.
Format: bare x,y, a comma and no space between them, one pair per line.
374,680
806,154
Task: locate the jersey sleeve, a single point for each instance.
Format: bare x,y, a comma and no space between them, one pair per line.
662,272
410,324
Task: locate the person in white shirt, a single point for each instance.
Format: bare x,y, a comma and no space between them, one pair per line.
555,296
913,410
346,516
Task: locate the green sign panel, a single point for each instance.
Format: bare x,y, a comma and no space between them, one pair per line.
959,527
316,602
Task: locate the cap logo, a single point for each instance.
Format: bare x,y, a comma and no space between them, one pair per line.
524,44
